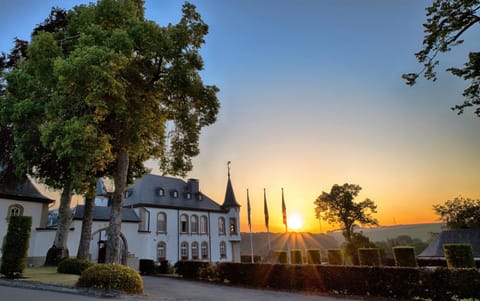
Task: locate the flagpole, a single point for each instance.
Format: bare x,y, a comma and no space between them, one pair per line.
284,213
265,209
250,226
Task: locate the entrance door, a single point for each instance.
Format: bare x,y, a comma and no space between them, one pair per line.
102,249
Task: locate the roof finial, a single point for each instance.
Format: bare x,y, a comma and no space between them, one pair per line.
228,166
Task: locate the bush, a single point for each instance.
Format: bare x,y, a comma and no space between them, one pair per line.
281,256
335,256
404,256
189,269
313,256
369,256
112,277
459,255
146,266
164,267
296,257
14,256
73,266
208,272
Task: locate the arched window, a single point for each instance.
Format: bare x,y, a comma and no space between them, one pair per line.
204,250
194,224
15,210
161,250
162,222
221,226
194,250
184,250
223,249
144,219
233,226
183,223
203,224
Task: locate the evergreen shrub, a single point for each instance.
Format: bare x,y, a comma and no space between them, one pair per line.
313,256
73,266
189,269
281,256
296,257
146,266
459,255
165,267
112,277
404,256
335,256
14,255
369,256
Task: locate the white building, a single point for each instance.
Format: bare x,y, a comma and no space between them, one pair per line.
164,219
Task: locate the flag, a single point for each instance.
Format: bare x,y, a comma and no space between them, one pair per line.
284,210
249,211
265,208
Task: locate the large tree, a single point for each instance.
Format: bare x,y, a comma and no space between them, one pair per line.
338,207
446,25
460,213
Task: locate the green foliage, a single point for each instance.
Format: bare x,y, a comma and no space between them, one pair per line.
335,257
313,256
338,207
357,241
147,266
369,256
165,267
14,255
296,257
189,269
281,256
112,277
208,272
56,255
459,255
73,266
460,213
405,256
447,21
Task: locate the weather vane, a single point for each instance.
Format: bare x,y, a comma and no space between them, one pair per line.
228,167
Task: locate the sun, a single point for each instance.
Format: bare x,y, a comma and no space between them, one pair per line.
295,222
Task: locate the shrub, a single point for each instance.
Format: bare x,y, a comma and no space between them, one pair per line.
112,277
164,267
208,272
281,256
14,256
146,266
459,255
313,256
369,256
73,266
189,269
404,256
335,256
296,257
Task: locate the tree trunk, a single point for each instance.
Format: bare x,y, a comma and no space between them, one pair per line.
86,235
114,228
59,250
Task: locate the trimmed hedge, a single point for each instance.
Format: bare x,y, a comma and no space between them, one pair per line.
369,256
281,256
296,257
404,256
459,255
73,266
146,266
335,257
313,256
112,277
14,255
189,269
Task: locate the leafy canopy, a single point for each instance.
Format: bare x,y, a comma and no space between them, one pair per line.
460,213
447,21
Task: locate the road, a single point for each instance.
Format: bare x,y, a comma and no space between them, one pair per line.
156,288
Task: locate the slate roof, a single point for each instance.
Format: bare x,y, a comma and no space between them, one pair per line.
103,214
14,188
230,200
471,236
167,192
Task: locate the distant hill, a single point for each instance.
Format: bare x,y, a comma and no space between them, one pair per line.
331,240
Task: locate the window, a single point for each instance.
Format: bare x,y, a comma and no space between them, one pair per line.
184,223
144,220
233,226
188,195
161,222
161,251
199,196
204,250
184,250
221,226
174,194
194,223
203,224
160,191
223,249
194,250
15,210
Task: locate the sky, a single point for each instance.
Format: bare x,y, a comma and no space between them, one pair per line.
311,96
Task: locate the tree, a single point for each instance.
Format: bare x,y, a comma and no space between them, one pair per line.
460,213
350,247
338,207
447,22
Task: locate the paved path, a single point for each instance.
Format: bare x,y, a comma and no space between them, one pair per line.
156,288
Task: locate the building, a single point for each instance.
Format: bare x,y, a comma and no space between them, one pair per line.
164,218
458,236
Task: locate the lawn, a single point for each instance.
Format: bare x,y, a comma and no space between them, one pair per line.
49,275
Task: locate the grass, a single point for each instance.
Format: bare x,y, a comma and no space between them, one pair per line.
49,275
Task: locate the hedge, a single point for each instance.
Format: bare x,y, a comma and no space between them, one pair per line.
335,256
73,266
313,256
112,277
459,255
369,256
404,256
14,256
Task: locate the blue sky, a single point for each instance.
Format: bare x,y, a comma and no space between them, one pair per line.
311,96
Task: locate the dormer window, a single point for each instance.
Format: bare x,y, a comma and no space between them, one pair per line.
174,194
160,191
199,196
188,195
